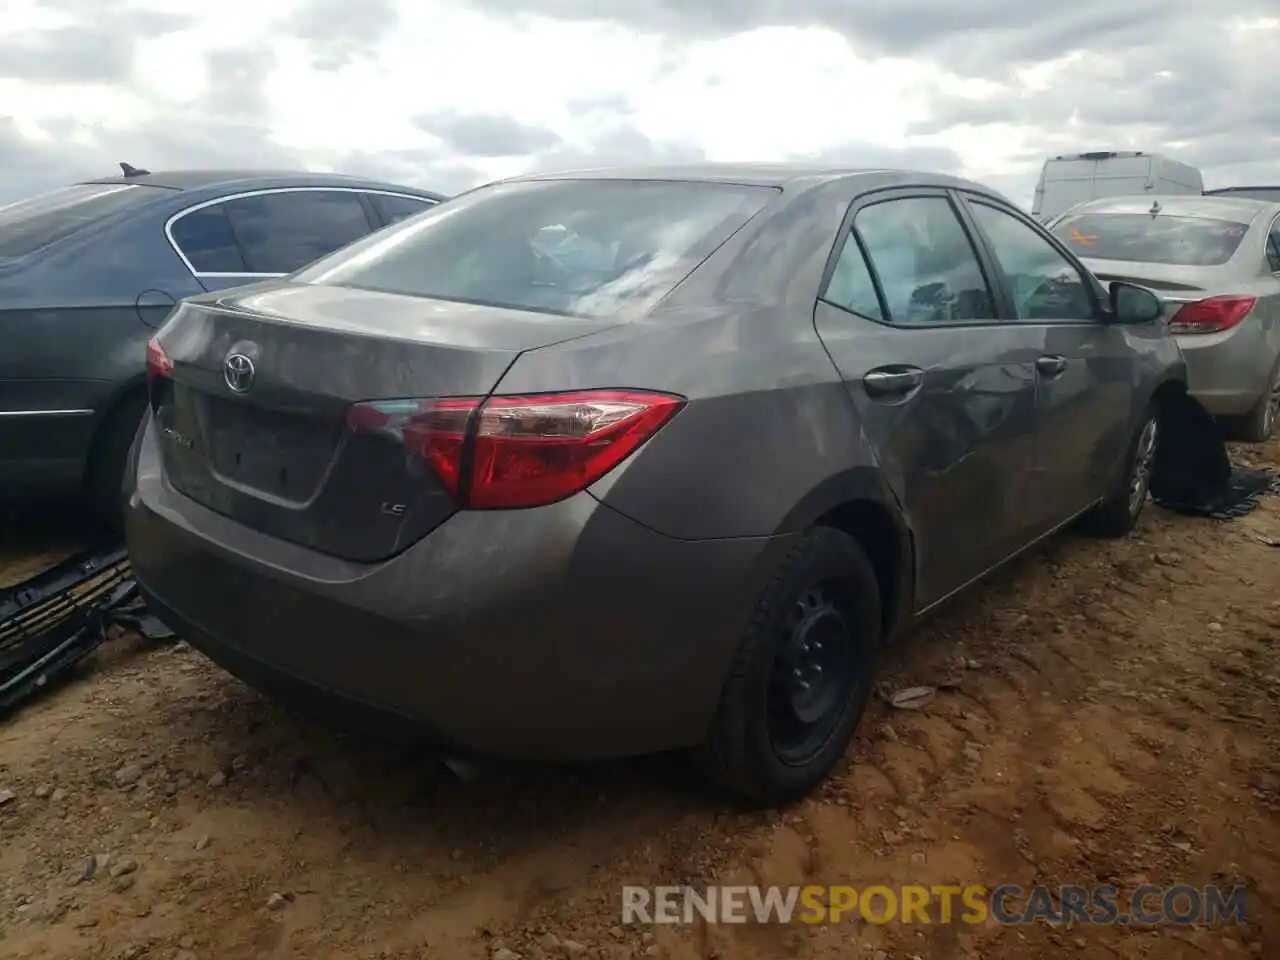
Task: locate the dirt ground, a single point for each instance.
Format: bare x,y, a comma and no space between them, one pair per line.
1109,715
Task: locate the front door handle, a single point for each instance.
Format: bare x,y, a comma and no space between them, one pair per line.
1051,366
889,383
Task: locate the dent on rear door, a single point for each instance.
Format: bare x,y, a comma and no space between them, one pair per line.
958,451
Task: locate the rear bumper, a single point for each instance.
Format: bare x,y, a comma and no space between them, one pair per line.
567,632
1228,372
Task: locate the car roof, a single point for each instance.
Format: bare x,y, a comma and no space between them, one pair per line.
247,179
778,174
1241,209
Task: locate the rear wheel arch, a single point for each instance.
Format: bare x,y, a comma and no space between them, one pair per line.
129,392
888,548
109,445
859,503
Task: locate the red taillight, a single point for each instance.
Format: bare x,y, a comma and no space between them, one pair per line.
158,362
521,451
1212,315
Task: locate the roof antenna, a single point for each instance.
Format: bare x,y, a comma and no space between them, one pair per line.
129,170
1155,208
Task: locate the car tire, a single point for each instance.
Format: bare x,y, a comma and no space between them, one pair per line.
1259,424
782,726
1118,514
104,475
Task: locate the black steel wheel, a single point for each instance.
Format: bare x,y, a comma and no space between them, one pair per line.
802,676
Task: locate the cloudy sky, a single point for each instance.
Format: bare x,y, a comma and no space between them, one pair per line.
450,93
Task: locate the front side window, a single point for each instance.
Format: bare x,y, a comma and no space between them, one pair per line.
573,247
281,232
29,225
1045,285
928,270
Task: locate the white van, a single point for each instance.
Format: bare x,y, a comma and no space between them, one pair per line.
1066,181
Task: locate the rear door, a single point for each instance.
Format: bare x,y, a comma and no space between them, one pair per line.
1085,369
945,390
256,236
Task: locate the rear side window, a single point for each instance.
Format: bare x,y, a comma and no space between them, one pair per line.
204,236
1142,238
851,286
573,247
1273,247
29,225
281,232
393,209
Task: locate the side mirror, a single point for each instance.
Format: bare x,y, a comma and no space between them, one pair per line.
1132,304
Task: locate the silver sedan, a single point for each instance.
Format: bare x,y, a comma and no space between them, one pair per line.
1215,261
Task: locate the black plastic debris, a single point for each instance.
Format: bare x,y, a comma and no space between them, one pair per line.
1237,498
1193,473
52,621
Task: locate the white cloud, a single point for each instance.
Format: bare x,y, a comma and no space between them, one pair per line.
387,86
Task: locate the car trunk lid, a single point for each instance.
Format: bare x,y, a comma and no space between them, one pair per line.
1175,285
252,416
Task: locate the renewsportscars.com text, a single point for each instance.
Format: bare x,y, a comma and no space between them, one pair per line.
1007,904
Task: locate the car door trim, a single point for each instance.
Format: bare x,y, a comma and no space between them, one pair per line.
906,192
266,191
74,412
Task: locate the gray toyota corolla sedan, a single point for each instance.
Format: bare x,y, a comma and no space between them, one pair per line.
600,464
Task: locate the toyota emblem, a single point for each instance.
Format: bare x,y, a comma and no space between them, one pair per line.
238,372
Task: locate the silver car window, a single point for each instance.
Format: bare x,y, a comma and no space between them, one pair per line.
1044,284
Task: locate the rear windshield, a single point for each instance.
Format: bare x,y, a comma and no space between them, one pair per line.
586,248
28,225
1142,238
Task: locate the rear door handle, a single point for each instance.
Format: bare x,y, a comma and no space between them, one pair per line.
1051,366
890,383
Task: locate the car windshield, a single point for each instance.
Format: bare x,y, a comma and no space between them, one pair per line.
588,248
1143,238
29,225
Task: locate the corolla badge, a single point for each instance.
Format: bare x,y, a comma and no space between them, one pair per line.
238,373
